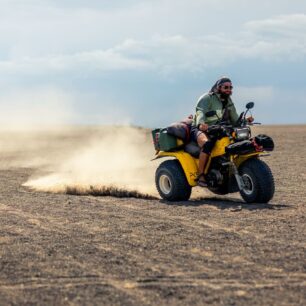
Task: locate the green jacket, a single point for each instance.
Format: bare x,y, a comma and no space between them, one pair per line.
209,102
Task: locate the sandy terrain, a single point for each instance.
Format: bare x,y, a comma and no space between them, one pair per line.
64,249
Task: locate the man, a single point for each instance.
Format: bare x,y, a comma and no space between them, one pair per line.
217,99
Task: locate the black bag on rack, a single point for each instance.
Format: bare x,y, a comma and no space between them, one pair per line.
265,141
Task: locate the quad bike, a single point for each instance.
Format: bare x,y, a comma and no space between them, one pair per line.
234,164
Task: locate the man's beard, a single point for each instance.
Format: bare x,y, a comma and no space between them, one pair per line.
224,96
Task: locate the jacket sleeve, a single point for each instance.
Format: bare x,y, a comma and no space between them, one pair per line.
202,108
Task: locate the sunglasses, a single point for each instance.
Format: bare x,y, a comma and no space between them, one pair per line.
227,87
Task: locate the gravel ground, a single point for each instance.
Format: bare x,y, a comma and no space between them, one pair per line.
59,249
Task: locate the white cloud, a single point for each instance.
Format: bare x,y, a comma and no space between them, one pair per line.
281,37
168,54
43,27
80,63
53,42
289,26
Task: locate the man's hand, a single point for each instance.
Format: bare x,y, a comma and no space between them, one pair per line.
250,119
203,127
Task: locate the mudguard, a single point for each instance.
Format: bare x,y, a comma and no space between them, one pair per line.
219,147
188,163
239,159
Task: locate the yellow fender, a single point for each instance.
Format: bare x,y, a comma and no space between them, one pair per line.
239,159
188,163
219,147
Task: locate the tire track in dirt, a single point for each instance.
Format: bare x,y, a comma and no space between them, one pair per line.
216,284
194,223
59,225
53,225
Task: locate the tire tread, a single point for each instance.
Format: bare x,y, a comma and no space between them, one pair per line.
181,188
264,180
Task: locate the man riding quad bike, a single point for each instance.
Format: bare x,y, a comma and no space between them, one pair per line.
217,151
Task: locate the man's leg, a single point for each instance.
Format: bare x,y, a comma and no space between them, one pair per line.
203,158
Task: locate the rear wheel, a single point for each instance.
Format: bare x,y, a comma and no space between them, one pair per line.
258,181
171,181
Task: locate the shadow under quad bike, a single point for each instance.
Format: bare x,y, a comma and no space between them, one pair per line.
234,164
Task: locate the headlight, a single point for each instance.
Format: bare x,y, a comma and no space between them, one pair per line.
242,133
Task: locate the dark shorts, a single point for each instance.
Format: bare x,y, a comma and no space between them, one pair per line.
194,134
208,146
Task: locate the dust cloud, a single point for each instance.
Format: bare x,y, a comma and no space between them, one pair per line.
36,133
33,109
98,161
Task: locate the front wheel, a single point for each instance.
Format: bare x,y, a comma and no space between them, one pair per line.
171,181
258,180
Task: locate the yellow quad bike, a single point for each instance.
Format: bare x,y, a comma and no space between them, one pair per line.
234,164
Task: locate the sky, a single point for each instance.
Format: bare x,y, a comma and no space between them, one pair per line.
147,62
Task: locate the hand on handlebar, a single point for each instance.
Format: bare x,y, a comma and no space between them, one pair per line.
203,127
250,119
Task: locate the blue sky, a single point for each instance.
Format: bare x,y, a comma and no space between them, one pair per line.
147,62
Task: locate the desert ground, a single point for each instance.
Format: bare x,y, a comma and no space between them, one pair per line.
66,238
